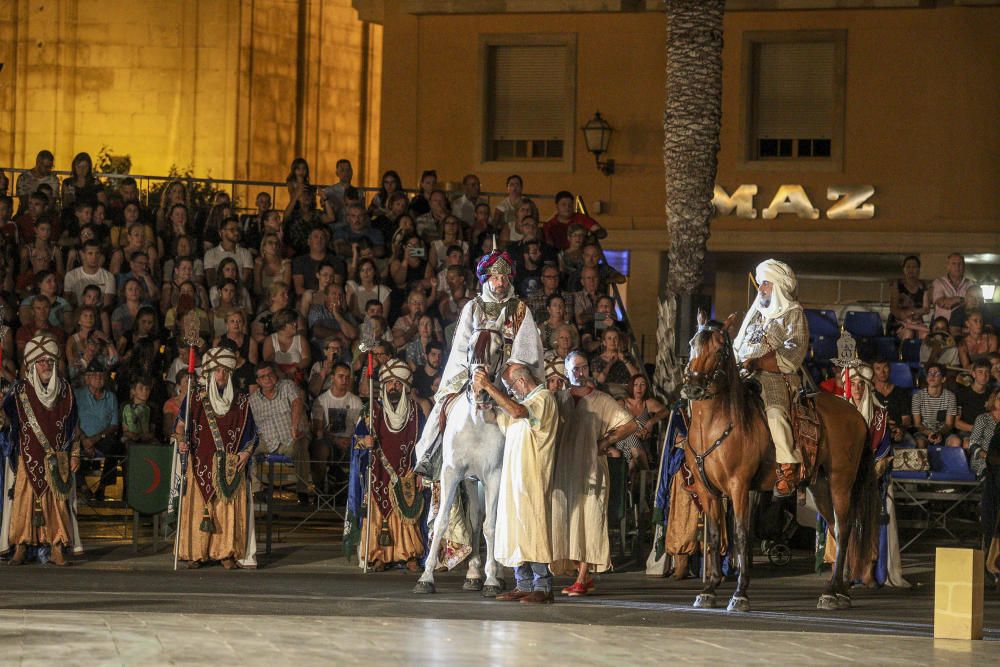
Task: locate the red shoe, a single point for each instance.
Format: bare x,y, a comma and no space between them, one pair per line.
577,590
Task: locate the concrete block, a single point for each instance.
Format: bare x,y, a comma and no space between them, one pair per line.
958,594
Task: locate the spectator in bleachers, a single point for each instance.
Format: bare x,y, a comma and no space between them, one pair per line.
391,182
91,272
173,195
555,317
365,286
592,257
39,323
39,255
100,423
28,182
80,185
464,206
252,224
34,211
279,411
585,300
897,402
613,365
909,302
933,408
137,418
948,291
505,213
557,228
305,266
270,265
357,227
531,232
455,294
334,415
538,303
939,346
971,401
564,340
430,224
334,196
984,452
8,228
994,359
325,276
406,327
229,246
60,312
427,377
451,237
421,203
411,270
321,373
978,343
287,348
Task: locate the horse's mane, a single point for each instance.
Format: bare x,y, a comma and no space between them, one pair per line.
736,399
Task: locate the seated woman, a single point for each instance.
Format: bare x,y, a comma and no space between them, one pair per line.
647,412
236,332
939,346
978,342
564,339
39,256
60,312
556,307
613,367
909,302
270,265
181,270
230,270
287,348
277,302
227,305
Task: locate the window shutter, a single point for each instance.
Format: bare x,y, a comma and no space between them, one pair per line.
795,90
528,93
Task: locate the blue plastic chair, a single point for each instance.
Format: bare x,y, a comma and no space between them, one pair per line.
884,347
824,348
949,464
863,323
909,351
901,375
822,323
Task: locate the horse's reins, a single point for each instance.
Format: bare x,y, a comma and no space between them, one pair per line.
723,353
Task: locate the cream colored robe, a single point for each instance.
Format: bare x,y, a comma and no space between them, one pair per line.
523,530
580,482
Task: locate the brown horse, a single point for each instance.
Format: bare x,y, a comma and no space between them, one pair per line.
730,451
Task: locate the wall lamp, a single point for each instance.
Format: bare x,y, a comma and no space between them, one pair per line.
597,135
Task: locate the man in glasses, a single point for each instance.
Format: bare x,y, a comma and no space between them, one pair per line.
279,409
934,409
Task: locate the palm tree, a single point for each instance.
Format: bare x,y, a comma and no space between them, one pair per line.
692,117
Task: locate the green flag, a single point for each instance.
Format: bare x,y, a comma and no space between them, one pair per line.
149,478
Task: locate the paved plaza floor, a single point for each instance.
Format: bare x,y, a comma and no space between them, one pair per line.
306,605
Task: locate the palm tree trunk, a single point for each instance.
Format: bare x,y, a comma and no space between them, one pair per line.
692,117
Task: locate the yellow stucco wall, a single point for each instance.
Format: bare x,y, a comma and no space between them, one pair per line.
920,125
210,84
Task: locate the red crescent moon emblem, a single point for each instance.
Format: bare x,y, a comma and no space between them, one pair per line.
156,476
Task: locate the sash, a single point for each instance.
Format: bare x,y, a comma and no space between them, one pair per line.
226,480
406,499
56,464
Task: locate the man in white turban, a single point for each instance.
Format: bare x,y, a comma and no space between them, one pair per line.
555,375
498,309
393,525
216,522
41,449
772,344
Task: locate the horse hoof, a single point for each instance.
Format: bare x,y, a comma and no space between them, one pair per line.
827,602
424,588
492,591
704,601
472,585
740,604
843,601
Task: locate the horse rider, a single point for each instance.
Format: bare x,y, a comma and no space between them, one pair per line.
496,308
772,344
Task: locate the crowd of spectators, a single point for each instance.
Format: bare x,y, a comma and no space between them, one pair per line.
112,273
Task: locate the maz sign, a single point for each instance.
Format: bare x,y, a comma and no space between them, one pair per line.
850,202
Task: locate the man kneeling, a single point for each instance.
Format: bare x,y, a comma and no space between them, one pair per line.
522,531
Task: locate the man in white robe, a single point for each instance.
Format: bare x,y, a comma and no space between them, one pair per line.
592,422
530,425
498,309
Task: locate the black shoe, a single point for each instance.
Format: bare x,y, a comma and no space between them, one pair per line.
99,494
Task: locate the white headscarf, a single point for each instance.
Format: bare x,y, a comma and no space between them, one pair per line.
219,357
395,417
43,346
868,403
784,295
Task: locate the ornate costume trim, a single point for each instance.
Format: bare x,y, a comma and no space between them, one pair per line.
56,465
226,477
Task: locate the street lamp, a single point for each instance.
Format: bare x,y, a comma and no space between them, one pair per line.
597,135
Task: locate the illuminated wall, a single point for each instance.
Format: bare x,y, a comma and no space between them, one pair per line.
232,88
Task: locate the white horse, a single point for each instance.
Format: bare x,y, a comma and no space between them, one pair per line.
471,451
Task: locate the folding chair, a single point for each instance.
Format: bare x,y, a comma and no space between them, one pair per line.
822,323
901,375
863,323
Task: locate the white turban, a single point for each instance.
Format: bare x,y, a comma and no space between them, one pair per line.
784,295
395,416
555,368
219,357
867,403
43,346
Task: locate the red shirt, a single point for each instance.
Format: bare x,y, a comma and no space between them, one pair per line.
555,230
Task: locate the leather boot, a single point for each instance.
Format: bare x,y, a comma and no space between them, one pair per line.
57,557
20,555
787,481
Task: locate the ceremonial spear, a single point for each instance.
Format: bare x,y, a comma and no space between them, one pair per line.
367,344
193,341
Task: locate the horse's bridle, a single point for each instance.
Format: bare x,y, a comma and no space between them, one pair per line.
705,381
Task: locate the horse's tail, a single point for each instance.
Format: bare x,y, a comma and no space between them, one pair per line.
866,508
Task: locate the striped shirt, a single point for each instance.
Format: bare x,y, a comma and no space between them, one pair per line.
273,416
933,410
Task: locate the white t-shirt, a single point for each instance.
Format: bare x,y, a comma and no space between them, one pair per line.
78,280
339,416
214,257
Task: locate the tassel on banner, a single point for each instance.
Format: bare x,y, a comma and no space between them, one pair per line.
37,518
384,536
206,522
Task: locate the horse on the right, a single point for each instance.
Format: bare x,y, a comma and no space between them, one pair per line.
729,452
